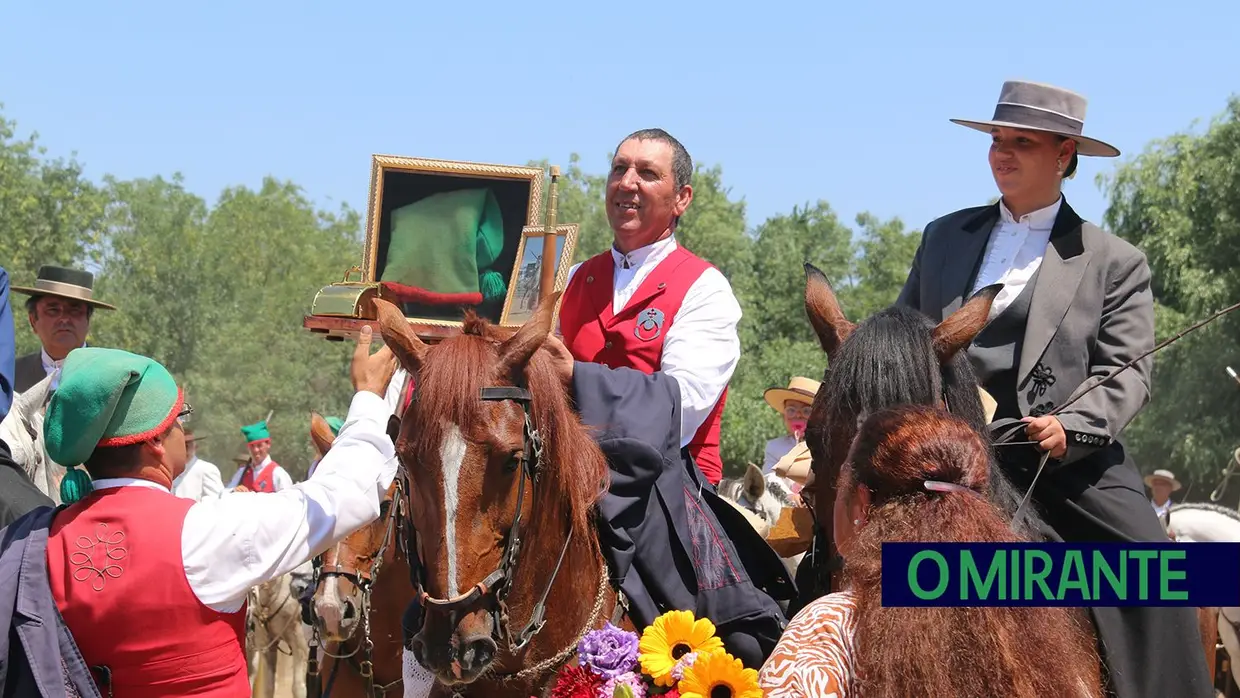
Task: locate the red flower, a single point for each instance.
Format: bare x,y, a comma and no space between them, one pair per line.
576,681
673,693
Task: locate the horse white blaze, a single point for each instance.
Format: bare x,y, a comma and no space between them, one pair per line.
451,455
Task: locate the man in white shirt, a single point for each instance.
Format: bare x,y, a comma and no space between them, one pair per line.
651,305
201,478
1162,483
153,587
59,310
261,473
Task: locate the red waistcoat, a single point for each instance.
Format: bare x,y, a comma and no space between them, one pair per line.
114,560
265,481
633,338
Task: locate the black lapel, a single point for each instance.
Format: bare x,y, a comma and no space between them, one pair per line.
1060,273
961,258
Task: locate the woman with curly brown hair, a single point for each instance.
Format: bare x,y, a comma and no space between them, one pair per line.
918,474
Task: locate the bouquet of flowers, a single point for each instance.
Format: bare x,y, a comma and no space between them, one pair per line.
678,656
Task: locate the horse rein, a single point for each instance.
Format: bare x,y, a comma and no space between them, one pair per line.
498,583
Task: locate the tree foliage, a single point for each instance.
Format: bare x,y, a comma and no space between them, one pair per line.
1179,201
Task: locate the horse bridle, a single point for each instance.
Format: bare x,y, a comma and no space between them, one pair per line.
496,585
397,522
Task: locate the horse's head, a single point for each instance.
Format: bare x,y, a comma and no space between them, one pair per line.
350,568
896,356
760,496
491,501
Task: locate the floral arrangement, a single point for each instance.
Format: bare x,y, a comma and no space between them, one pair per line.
678,656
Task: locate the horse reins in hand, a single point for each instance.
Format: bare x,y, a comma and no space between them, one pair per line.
1007,438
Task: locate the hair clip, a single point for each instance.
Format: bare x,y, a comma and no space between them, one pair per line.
937,486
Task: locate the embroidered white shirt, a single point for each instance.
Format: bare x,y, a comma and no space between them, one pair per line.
280,479
702,347
1014,252
200,480
232,543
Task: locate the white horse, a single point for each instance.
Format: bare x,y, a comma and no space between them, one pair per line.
278,651
761,498
22,430
1209,523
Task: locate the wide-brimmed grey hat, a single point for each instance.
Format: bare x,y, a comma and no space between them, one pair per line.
64,282
1040,107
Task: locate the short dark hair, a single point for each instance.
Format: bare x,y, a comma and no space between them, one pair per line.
682,164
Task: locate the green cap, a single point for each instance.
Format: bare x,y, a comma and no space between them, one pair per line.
335,423
108,397
255,432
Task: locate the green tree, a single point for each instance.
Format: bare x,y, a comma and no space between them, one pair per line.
49,214
1179,201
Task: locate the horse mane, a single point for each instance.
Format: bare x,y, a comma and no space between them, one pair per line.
1204,506
889,359
574,469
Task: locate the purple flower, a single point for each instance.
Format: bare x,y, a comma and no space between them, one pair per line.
678,671
637,689
609,651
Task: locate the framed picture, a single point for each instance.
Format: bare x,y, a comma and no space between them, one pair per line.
526,287
442,237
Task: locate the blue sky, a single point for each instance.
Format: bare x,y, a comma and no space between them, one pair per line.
847,102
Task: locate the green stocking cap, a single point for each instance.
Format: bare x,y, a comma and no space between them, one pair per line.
335,423
106,398
255,432
441,248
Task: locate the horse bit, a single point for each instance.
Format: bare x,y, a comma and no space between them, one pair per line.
499,582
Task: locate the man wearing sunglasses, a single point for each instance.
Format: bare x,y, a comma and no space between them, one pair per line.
151,588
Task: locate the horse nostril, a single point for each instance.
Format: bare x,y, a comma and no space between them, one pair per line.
348,610
477,653
419,649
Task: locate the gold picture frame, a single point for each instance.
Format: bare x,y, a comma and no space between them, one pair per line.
341,309
525,289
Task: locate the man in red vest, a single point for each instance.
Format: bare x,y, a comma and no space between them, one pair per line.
651,305
151,586
261,474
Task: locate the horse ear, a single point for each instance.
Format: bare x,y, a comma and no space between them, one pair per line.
754,483
824,311
517,350
400,337
958,329
321,433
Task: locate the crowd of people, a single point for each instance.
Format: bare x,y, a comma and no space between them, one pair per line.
152,603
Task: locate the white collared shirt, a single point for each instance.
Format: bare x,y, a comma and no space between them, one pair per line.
280,479
702,347
237,541
200,480
51,367
1014,252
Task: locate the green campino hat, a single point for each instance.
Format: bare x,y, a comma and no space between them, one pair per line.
335,423
255,432
106,398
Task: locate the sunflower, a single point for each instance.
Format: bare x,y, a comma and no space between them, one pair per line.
673,635
720,675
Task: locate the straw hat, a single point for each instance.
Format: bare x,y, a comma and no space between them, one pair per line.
800,389
1163,475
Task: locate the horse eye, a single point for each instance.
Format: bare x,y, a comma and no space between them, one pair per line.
513,462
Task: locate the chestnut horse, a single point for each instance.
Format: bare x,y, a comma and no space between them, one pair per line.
356,652
502,505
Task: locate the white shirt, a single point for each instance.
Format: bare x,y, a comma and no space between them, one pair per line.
1014,252
776,449
51,367
1163,510
232,543
702,347
280,479
200,480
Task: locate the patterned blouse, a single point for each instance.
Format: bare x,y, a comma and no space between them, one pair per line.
814,657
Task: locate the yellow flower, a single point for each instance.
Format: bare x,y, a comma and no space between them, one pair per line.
673,635
720,675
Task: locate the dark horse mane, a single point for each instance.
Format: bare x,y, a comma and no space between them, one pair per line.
573,469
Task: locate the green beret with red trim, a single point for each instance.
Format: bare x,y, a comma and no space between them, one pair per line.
106,398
